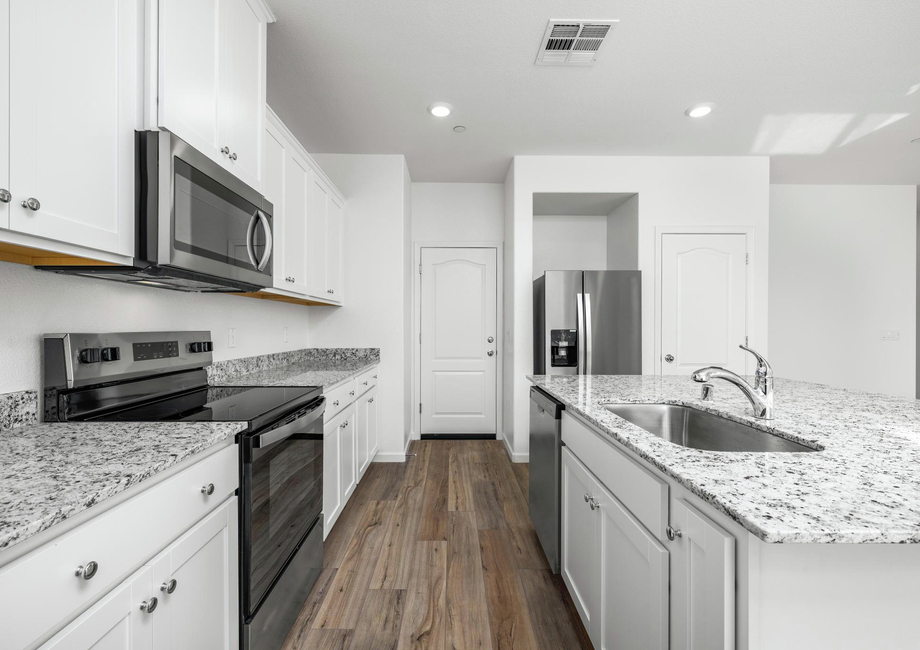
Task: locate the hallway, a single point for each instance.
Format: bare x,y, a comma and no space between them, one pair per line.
438,552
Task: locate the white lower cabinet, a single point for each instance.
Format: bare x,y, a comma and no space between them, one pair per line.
366,430
332,475
196,585
579,538
116,622
702,582
349,462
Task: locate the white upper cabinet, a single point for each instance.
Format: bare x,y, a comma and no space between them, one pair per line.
211,79
317,219
6,196
74,100
334,248
294,224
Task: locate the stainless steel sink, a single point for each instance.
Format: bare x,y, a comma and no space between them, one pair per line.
690,427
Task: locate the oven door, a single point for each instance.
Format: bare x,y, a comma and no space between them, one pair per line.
281,500
208,220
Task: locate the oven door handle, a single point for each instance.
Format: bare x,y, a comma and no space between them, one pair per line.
297,426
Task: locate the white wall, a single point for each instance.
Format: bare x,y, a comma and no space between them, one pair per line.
684,191
508,343
568,242
843,264
458,212
623,236
374,281
37,302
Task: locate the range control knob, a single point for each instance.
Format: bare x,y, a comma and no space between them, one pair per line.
201,346
90,355
111,354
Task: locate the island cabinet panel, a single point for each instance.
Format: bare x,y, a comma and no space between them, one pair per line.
702,581
579,538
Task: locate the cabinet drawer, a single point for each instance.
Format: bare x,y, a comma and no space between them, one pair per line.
366,380
338,398
40,591
643,494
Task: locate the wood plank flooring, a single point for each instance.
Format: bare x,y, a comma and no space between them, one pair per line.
438,553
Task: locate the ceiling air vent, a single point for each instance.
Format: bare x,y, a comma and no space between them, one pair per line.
573,42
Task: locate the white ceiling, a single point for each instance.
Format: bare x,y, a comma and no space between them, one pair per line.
584,204
830,89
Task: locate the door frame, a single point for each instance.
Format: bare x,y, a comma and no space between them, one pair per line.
416,357
660,231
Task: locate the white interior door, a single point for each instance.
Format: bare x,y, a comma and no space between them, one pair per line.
703,302
459,347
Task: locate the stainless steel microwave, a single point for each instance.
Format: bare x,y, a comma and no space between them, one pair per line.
198,227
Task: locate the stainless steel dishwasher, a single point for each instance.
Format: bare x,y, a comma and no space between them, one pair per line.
545,472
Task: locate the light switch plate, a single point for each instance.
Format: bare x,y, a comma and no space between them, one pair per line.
890,335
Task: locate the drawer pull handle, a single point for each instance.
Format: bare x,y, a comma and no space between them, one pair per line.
207,489
87,571
170,586
674,533
150,606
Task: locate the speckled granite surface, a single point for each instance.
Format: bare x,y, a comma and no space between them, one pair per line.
221,372
863,487
18,409
50,472
314,372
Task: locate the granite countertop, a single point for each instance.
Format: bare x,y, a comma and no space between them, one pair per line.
863,486
53,471
315,372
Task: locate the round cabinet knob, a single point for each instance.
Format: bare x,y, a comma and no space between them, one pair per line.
673,533
592,503
87,571
669,358
371,400
32,204
490,352
365,383
170,586
150,605
207,489
351,392
5,196
490,339
225,151
375,376
233,156
335,403
587,498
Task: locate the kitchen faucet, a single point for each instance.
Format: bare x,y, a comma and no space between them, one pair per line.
760,394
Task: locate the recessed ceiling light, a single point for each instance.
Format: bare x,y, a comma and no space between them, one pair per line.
440,109
700,110
459,129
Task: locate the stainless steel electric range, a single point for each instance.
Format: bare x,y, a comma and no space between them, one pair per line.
161,376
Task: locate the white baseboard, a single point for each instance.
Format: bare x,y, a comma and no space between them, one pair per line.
515,458
393,456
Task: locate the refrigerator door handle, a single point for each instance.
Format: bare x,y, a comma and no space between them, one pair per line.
589,346
580,315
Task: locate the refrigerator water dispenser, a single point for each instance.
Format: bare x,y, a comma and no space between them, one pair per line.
563,348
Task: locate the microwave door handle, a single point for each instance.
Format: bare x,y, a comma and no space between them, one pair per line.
297,426
269,240
250,235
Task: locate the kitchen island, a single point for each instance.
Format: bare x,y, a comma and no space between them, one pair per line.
818,549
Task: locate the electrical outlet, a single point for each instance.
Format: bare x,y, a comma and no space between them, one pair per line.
286,337
890,335
231,337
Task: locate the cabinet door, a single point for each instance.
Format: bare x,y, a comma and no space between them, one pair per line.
332,476
334,228
75,101
702,582
633,566
361,431
189,72
241,88
202,610
116,622
317,210
372,426
294,243
348,464
5,206
274,158
579,538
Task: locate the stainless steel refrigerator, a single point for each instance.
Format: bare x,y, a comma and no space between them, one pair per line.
588,323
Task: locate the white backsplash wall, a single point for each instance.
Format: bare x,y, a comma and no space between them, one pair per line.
33,303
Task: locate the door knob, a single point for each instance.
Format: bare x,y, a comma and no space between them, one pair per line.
490,339
5,196
669,358
32,204
490,352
